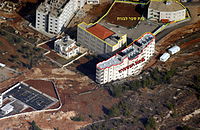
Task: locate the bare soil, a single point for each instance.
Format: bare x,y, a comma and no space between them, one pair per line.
123,10
44,86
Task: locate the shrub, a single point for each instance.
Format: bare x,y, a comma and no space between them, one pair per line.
151,124
114,111
116,91
34,126
77,118
170,106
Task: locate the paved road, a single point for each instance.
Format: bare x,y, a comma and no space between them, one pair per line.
191,3
162,34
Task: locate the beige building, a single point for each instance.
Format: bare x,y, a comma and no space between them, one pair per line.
127,62
166,10
99,39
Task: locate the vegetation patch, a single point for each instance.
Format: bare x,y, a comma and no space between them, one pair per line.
155,77
77,118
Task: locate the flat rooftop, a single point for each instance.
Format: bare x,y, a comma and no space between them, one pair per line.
54,7
31,97
135,32
65,41
122,14
131,52
108,36
169,6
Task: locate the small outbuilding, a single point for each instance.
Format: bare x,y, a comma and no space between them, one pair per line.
164,57
2,65
174,50
7,109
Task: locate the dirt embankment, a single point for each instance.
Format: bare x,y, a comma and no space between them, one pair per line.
60,120
178,34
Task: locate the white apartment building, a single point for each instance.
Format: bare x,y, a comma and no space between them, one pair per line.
66,47
51,15
127,62
100,39
166,10
92,1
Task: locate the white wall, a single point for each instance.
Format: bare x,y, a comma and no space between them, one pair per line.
55,24
172,16
41,20
112,73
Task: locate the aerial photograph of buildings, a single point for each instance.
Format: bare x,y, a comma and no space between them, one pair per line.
99,64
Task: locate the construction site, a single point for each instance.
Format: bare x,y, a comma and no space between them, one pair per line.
131,103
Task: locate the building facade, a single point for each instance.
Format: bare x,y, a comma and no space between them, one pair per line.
51,15
166,11
127,62
99,39
66,47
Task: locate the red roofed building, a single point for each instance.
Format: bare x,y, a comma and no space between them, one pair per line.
100,31
99,39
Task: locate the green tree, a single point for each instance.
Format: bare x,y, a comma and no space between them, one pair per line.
116,91
77,118
34,126
114,111
151,124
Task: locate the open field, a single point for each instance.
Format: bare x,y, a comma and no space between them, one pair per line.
123,14
15,52
46,87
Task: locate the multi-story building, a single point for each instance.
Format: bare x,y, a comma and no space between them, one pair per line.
92,1
129,61
51,15
66,47
100,39
167,10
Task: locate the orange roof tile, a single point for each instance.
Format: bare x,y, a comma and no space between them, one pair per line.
100,31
